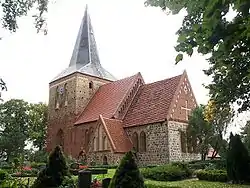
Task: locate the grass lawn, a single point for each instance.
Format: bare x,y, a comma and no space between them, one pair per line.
193,183
179,184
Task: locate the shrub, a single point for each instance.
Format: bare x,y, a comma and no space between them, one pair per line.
164,173
3,175
212,175
209,164
55,172
237,160
127,174
183,166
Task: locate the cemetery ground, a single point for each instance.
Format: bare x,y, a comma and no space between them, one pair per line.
190,183
61,172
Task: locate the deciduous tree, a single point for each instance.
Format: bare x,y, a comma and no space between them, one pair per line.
14,124
200,130
207,30
14,9
219,118
38,114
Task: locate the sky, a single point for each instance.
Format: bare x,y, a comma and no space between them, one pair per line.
130,38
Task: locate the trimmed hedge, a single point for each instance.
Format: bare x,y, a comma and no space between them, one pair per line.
171,172
208,164
212,175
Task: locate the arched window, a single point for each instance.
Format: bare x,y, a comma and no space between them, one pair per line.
105,160
65,94
91,85
142,141
86,138
105,143
57,98
99,139
95,144
59,138
135,141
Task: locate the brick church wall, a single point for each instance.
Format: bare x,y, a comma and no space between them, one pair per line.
174,140
79,94
156,143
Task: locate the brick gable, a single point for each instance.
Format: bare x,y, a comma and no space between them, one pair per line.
183,102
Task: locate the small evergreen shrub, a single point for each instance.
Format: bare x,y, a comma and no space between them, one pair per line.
165,173
127,175
212,175
55,172
238,168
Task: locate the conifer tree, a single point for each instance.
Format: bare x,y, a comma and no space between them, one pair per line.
55,172
237,160
127,175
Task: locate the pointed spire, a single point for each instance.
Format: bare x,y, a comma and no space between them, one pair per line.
85,58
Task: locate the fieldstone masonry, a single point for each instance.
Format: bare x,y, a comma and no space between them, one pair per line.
174,143
156,143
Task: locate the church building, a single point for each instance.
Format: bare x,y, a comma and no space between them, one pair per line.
93,113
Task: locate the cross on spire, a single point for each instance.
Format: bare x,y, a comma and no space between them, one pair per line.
186,110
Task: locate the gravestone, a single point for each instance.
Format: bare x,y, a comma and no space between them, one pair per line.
84,179
106,182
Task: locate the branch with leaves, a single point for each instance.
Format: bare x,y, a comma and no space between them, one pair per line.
2,87
14,9
207,30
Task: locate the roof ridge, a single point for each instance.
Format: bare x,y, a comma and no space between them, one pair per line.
136,76
180,75
112,119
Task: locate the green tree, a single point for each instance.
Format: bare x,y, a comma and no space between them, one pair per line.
38,116
245,134
55,173
2,87
219,118
14,9
237,160
207,30
127,174
14,120
199,130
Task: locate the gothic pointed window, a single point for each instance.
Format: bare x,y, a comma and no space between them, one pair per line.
86,138
91,85
142,142
105,143
105,160
135,141
57,98
95,142
65,94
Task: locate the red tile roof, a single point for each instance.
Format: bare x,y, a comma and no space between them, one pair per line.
119,139
152,102
106,100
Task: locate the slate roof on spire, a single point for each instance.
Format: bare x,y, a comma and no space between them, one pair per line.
85,58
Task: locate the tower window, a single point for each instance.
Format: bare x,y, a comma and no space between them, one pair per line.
90,85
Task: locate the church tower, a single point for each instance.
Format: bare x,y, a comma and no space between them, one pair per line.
71,90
